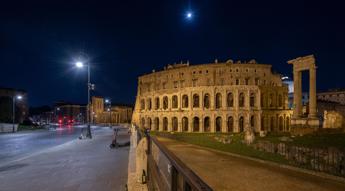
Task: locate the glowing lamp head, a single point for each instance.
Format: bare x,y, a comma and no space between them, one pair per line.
189,15
106,101
19,97
79,64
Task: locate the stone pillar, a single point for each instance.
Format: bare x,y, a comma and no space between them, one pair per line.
297,99
312,92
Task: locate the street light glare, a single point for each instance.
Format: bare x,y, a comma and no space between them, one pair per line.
19,97
189,15
79,64
106,101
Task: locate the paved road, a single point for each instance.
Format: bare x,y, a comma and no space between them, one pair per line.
58,160
225,172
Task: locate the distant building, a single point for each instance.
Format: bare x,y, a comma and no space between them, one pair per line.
337,95
66,112
6,105
104,113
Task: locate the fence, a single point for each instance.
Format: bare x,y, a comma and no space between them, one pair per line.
328,160
167,172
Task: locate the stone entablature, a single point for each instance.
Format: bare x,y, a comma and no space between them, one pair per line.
220,97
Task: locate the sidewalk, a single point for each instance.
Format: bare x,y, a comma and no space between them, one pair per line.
78,165
225,172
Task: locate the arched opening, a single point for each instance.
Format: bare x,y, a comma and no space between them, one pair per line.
270,100
281,123
142,104
196,124
174,124
218,100
252,100
195,100
280,100
143,123
262,100
287,124
207,101
165,124
252,122
165,102
241,124
174,101
263,124
230,100
157,123
184,101
149,123
241,100
157,103
272,124
184,124
218,124
207,127
230,124
149,104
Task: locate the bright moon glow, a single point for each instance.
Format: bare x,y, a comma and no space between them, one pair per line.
189,15
79,64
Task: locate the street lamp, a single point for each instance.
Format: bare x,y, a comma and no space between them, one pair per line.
80,64
14,98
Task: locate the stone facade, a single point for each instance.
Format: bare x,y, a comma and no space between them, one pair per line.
114,114
337,96
216,97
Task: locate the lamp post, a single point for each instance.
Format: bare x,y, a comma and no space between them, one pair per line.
19,97
90,86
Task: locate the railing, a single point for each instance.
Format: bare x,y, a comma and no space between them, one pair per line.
167,172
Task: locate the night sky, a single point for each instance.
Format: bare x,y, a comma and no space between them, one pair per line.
39,41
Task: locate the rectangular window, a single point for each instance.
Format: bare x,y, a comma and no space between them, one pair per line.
175,84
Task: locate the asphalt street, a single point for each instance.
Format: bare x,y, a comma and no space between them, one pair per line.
56,159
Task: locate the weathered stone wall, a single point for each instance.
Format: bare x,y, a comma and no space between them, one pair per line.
219,97
329,160
333,119
7,127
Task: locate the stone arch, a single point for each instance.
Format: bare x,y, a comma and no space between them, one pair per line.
165,124
149,104
280,100
281,123
270,100
174,124
165,102
252,100
287,124
185,101
241,124
156,123
207,101
262,100
196,124
174,101
218,100
207,127
272,124
157,103
230,100
142,122
196,101
185,124
219,124
263,127
252,121
142,104
241,99
230,124
149,123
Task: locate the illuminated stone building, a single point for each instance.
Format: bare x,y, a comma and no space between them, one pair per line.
215,97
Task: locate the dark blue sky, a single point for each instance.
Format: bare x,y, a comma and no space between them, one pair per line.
39,40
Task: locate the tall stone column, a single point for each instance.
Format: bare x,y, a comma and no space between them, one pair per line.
297,97
312,92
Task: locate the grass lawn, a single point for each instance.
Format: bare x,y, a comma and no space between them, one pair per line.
336,140
209,140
